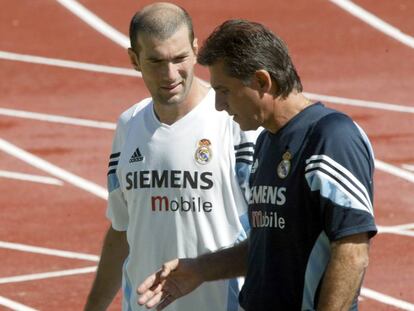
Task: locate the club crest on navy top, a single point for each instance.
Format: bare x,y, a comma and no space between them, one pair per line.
203,153
283,168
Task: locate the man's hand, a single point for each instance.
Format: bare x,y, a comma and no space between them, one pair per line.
175,279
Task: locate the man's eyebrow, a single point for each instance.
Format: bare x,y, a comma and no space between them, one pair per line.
153,58
160,59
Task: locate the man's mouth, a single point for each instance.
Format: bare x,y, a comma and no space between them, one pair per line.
170,87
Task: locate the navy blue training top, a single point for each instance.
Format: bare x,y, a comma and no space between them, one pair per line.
311,183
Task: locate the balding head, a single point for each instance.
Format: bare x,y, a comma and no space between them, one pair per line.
160,20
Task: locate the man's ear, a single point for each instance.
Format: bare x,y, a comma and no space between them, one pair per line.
134,59
195,47
263,81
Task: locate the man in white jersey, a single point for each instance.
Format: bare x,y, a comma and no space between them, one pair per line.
177,172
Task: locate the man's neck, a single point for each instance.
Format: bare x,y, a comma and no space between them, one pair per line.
286,109
171,114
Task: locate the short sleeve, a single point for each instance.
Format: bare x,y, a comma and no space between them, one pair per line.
117,210
339,173
244,145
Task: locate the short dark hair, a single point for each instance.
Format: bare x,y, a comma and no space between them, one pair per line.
161,21
245,47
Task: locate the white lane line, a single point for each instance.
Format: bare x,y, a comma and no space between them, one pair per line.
56,119
404,229
383,230
119,38
53,169
388,300
46,275
130,72
68,64
408,167
400,227
96,22
48,251
13,305
375,22
360,103
394,170
31,178
388,168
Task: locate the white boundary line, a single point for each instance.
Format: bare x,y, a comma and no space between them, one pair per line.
31,178
360,103
394,170
375,22
96,22
408,167
53,169
48,251
402,227
56,119
46,275
404,305
68,64
13,305
119,38
388,168
130,72
384,229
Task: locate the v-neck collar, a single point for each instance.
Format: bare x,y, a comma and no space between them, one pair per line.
182,120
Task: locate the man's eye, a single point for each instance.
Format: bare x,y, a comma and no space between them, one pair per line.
180,59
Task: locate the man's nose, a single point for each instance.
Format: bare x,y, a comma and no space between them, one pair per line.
221,103
170,71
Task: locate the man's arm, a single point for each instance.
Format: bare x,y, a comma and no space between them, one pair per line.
109,275
344,273
181,276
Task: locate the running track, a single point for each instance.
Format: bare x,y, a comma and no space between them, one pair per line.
65,78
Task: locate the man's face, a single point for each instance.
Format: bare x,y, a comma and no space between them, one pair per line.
237,98
167,66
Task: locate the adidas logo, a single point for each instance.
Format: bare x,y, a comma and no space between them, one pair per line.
136,157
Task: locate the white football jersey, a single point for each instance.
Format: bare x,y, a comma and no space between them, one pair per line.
179,191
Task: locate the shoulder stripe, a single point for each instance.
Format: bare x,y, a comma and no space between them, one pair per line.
346,186
327,166
112,171
114,155
331,189
341,169
244,145
113,163
337,166
242,160
244,153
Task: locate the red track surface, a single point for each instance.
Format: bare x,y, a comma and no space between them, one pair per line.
335,53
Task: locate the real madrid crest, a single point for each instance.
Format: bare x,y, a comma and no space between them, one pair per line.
203,153
283,168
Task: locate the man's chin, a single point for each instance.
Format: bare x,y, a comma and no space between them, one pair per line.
247,127
175,99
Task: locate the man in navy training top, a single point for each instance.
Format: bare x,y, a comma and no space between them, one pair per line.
310,207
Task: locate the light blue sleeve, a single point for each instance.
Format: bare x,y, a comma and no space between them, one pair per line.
117,209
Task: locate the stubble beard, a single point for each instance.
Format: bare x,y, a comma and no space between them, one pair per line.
179,98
